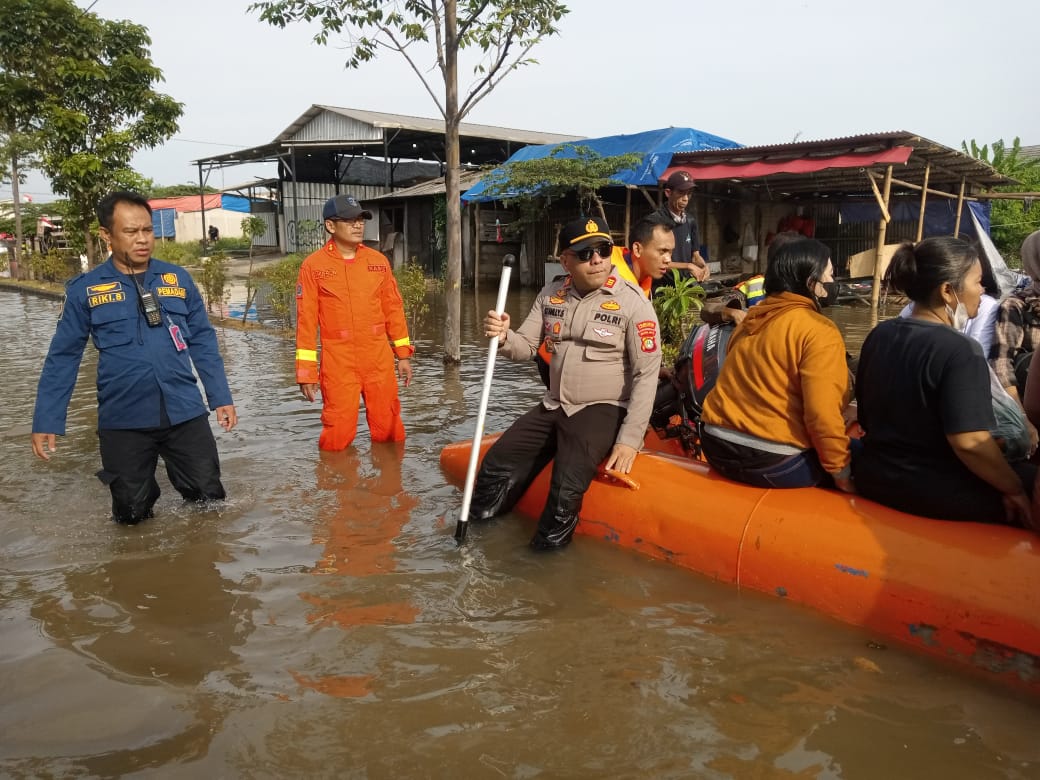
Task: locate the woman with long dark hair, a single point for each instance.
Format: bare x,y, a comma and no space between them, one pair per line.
774,417
923,396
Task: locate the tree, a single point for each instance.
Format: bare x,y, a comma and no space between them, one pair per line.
504,31
177,190
1010,220
31,53
86,101
252,227
533,184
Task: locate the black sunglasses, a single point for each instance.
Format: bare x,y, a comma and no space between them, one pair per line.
584,255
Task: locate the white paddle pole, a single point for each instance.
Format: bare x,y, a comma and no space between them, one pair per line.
474,454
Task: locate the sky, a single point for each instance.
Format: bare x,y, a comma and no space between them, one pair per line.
754,71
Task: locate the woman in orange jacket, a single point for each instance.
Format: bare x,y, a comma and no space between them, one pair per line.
774,418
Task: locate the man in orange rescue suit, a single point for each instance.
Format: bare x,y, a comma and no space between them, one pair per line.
349,292
603,336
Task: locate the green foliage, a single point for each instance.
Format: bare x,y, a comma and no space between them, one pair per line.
176,190
80,88
430,37
253,227
532,185
1010,220
213,279
677,307
505,31
55,266
30,213
231,244
411,281
186,253
282,278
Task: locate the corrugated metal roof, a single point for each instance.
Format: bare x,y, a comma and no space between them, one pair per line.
381,120
332,131
433,187
946,166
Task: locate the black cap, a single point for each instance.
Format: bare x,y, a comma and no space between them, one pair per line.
344,207
582,233
680,181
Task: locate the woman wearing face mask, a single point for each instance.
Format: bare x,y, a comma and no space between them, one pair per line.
774,417
923,394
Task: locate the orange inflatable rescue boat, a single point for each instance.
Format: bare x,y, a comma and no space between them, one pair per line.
968,592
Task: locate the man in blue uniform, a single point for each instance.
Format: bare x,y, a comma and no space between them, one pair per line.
149,325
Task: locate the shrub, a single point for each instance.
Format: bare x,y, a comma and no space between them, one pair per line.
182,253
412,282
213,280
677,307
282,280
55,266
233,243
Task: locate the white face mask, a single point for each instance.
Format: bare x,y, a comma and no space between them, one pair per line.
959,316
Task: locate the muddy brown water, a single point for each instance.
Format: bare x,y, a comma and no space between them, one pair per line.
323,623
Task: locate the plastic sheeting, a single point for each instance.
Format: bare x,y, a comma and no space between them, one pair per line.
940,215
164,223
655,146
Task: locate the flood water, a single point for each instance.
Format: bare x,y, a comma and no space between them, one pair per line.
323,623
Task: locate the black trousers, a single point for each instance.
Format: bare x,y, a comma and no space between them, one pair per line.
129,459
578,443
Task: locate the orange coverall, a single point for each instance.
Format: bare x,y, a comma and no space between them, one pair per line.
359,310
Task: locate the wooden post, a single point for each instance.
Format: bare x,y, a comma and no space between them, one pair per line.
960,207
476,247
875,290
924,202
628,215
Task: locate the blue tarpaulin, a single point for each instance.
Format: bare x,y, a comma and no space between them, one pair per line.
940,216
655,146
234,203
163,223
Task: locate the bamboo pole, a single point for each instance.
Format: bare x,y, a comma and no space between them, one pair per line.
960,208
875,290
647,196
1006,196
476,249
882,202
917,187
924,201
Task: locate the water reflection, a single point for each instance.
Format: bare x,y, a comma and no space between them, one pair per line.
358,532
140,643
324,623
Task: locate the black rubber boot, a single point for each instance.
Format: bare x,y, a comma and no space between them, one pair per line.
555,532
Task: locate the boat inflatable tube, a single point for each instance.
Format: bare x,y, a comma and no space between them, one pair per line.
964,592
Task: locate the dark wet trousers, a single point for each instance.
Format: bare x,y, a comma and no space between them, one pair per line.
129,459
578,443
764,469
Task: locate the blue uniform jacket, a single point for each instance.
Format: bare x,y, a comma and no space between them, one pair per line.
138,365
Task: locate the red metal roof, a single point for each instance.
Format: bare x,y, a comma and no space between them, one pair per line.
799,165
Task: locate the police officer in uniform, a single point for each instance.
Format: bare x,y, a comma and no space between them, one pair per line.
149,325
603,336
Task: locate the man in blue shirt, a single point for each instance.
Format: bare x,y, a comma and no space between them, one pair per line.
149,325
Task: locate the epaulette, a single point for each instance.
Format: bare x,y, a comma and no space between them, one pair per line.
75,278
